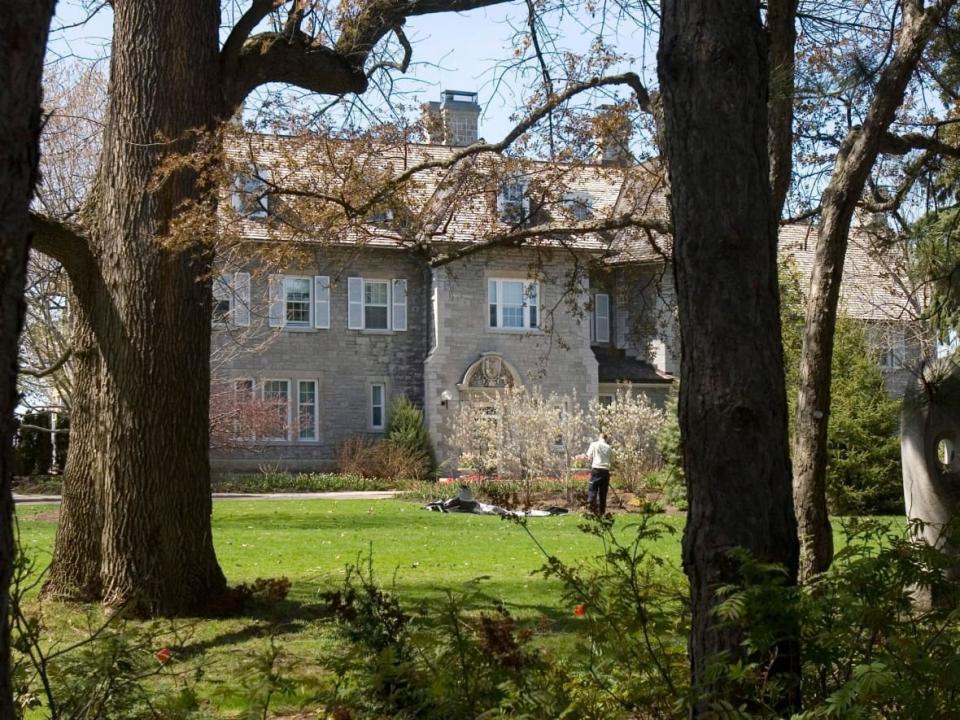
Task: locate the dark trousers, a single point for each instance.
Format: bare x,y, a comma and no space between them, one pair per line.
597,490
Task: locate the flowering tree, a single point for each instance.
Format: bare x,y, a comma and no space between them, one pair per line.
632,424
522,435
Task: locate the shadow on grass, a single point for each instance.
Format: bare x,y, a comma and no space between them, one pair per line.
262,620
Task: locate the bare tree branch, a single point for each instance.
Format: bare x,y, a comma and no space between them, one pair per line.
404,63
230,54
555,233
891,144
63,243
43,372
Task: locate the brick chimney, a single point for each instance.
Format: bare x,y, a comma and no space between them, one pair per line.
454,120
613,131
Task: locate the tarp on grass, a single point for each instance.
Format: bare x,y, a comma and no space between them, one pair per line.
465,503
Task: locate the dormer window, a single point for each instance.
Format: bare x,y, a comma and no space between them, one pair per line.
513,202
380,217
251,195
579,204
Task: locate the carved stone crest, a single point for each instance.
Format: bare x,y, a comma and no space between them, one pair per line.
490,372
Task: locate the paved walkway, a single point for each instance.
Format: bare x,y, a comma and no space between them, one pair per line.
346,495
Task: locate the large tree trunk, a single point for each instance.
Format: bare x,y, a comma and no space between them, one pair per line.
23,40
76,573
853,164
148,304
733,410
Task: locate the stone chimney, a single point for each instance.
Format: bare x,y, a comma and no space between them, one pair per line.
613,131
454,120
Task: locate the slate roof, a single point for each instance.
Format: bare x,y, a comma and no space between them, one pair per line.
614,365
870,287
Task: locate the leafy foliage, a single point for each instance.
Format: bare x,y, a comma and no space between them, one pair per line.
670,475
863,469
407,432
936,263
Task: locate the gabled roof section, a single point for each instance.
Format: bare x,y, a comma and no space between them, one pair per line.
448,204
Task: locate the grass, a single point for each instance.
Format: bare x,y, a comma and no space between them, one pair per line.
311,541
419,554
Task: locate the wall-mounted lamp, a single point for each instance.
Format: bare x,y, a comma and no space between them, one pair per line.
445,397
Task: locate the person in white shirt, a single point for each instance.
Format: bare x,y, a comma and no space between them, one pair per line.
600,455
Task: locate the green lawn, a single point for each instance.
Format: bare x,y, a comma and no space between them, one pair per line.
418,554
312,541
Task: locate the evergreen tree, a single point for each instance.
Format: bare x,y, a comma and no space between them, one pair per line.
405,430
863,467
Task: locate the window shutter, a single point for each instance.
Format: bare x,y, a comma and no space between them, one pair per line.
533,302
321,292
399,304
241,299
501,201
276,300
354,303
601,317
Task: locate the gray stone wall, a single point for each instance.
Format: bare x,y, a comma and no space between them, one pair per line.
343,362
556,358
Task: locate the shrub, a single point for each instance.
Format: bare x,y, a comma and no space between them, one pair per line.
272,481
633,425
407,433
377,459
670,477
863,445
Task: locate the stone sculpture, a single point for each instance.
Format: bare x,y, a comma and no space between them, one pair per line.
929,437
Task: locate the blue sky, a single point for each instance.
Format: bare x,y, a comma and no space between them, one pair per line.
451,51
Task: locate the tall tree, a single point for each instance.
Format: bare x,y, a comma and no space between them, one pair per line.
135,520
733,412
23,39
854,161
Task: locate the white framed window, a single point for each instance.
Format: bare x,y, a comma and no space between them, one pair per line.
222,309
251,194
579,204
380,217
231,299
276,396
601,318
894,351
374,304
513,304
244,400
377,406
307,410
513,201
605,400
299,301
244,390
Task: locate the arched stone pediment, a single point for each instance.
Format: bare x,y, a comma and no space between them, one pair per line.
491,371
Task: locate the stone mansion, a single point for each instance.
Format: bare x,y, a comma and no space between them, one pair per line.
326,338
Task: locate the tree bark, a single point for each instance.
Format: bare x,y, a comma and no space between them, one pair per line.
137,506
782,26
75,575
138,499
853,164
733,412
23,40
